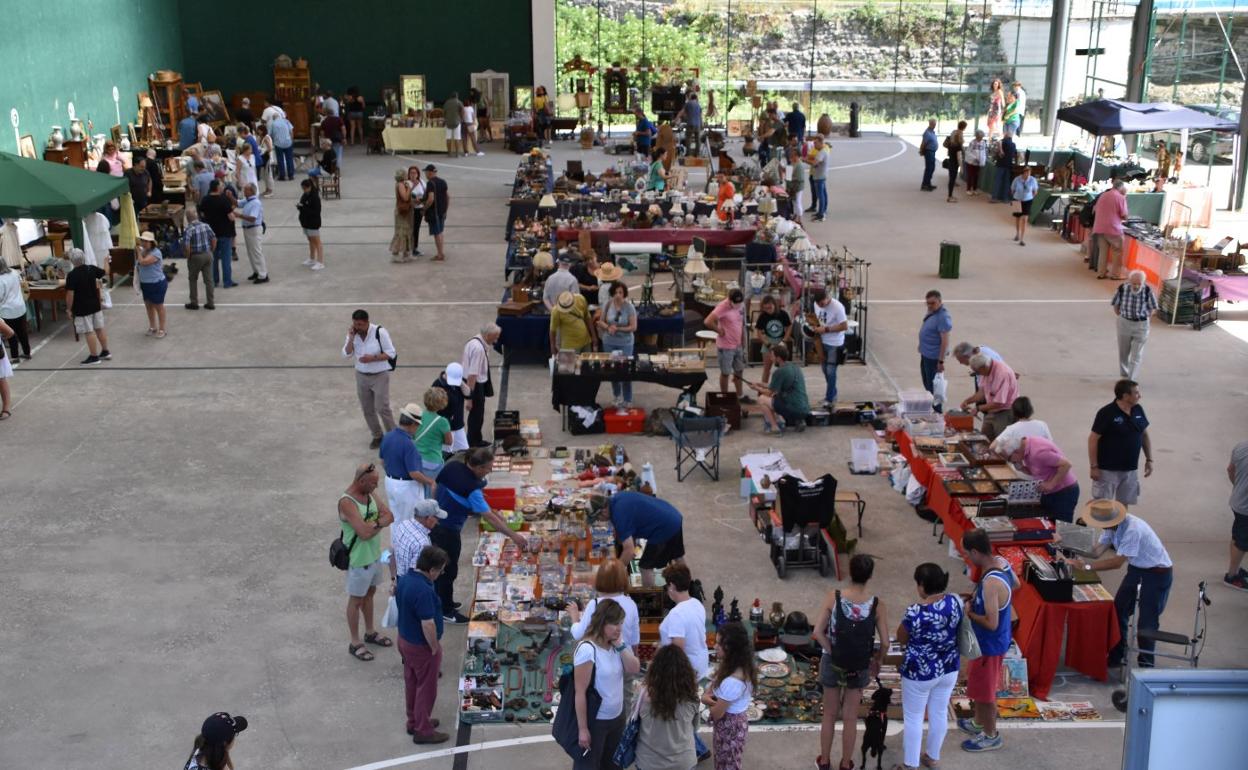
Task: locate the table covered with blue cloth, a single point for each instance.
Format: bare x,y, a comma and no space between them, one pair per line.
569,208
522,203
532,331
582,389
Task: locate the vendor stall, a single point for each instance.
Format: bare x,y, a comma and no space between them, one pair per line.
578,386
36,189
1090,623
531,331
666,236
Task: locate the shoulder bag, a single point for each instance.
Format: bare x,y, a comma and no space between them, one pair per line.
487,387
626,749
340,552
968,643
392,360
564,726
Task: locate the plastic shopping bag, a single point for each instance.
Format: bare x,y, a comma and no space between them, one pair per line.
391,618
940,388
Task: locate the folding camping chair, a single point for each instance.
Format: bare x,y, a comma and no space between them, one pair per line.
806,530
697,445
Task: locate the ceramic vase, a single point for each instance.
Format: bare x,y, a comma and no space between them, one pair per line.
75,130
56,140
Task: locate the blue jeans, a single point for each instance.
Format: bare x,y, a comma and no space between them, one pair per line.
1061,504
221,258
338,152
1001,190
285,162
927,372
620,390
698,745
929,167
820,187
830,353
1154,591
315,171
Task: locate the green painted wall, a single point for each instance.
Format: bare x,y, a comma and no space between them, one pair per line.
54,52
365,43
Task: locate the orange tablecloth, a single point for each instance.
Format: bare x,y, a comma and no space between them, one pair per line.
1157,266
1090,627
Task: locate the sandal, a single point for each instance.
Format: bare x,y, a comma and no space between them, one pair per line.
161,334
150,332
359,652
5,414
378,639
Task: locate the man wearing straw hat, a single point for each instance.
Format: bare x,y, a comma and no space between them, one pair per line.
570,325
1149,569
405,476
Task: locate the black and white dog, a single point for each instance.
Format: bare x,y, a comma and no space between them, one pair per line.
877,727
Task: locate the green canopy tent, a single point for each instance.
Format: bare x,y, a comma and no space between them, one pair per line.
38,189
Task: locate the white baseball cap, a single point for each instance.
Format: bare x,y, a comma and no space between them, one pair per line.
454,374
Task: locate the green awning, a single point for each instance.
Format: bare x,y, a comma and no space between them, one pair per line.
40,189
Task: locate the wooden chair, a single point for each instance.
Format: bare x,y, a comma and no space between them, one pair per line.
331,185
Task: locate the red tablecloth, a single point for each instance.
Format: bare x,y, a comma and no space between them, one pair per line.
666,235
1091,628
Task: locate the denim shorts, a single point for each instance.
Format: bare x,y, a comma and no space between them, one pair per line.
436,223
731,361
360,579
832,677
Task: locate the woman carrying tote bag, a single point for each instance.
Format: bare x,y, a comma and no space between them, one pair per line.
601,660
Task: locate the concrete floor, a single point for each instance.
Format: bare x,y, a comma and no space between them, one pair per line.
167,513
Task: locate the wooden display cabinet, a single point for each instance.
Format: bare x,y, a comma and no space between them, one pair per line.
292,86
72,153
170,101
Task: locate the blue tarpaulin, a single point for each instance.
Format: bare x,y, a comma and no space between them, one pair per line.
1105,117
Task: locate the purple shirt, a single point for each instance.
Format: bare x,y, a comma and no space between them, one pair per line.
1041,458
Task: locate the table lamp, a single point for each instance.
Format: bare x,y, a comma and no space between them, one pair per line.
547,202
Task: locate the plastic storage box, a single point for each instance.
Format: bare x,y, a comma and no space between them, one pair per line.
624,420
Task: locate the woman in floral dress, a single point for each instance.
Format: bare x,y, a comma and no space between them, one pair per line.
996,103
929,669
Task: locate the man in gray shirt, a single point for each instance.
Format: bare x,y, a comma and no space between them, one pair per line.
1236,576
453,117
560,281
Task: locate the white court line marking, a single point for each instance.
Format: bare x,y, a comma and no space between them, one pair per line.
894,729
873,162
990,301
359,303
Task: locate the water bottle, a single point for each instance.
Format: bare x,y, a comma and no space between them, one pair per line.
619,455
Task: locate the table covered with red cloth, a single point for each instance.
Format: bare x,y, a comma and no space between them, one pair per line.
668,236
1091,628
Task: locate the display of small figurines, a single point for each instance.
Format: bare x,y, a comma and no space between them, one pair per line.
776,618
734,613
718,606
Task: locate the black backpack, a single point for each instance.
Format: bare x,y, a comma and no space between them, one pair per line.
855,639
394,362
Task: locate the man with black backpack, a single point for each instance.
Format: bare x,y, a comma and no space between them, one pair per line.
846,629
375,357
362,515
988,608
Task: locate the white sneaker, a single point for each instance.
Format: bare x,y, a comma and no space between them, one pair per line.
309,262
318,266
480,155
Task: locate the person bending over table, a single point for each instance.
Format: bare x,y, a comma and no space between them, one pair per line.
634,516
783,400
1135,544
1041,459
997,389
570,325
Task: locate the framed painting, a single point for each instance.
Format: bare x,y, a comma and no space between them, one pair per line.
133,133
26,146
523,99
115,133
412,93
213,103
390,98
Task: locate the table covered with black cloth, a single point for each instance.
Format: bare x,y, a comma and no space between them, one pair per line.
582,389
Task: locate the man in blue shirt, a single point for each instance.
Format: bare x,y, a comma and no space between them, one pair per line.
643,137
201,179
691,114
458,492
252,215
282,133
1005,169
420,642
635,516
188,132
405,477
796,123
933,340
927,148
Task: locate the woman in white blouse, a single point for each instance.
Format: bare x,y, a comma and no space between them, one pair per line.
611,582
601,660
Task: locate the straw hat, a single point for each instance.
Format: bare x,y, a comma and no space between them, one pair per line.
1103,514
412,411
609,272
146,235
566,300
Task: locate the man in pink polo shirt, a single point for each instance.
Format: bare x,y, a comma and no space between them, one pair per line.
728,321
1111,212
998,387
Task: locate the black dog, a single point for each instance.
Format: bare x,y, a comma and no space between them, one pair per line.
877,727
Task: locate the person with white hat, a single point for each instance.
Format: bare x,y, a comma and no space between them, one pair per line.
406,480
1149,568
451,380
408,538
152,283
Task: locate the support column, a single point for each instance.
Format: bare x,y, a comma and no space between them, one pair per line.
1141,32
1241,161
543,23
1055,73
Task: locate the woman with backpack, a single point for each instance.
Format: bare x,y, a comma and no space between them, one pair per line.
600,661
730,693
929,667
846,630
953,161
